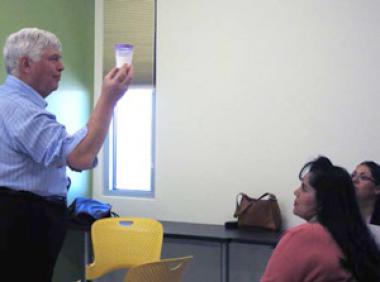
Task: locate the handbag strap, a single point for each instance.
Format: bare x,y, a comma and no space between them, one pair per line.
239,210
241,194
238,202
237,198
271,196
114,214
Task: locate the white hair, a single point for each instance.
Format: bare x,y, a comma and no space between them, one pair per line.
29,42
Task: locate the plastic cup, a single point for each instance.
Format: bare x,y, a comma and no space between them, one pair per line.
123,54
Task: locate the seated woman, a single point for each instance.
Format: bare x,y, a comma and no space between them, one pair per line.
366,179
334,244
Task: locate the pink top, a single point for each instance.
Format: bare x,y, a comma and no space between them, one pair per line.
306,253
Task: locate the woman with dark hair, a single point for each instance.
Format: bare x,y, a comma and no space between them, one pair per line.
335,243
366,179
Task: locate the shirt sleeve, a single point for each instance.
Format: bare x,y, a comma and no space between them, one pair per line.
37,134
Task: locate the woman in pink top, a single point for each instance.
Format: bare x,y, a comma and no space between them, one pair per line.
334,244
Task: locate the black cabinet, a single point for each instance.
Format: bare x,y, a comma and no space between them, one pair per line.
220,255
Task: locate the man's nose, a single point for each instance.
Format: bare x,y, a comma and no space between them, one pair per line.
61,67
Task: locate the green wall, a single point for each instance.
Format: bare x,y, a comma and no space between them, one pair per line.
73,22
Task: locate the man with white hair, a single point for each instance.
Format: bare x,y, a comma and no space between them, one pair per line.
35,150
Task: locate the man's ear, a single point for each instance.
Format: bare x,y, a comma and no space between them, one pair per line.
24,65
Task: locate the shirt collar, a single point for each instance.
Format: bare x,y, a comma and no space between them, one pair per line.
27,91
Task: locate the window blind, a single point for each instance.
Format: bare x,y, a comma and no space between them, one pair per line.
131,21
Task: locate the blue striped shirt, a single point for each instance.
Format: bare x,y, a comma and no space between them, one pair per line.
33,144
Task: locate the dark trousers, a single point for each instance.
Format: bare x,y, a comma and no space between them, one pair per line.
32,230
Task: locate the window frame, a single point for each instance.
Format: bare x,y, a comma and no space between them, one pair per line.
109,163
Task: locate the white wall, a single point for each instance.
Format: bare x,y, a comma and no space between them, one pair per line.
248,91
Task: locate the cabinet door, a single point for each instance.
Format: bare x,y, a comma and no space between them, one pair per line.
248,261
70,263
206,265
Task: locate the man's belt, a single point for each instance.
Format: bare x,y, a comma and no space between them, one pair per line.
60,200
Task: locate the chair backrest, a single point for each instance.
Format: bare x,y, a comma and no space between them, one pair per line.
123,242
166,270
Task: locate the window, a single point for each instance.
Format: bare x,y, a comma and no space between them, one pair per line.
129,154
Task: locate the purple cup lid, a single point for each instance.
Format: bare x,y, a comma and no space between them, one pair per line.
123,45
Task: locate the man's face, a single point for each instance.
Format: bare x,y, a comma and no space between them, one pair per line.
46,73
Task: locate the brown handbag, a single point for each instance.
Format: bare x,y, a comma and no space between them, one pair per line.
264,213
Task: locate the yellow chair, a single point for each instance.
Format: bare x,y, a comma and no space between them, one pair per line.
166,270
123,242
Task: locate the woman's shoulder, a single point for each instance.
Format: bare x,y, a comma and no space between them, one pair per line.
308,231
307,228
316,239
